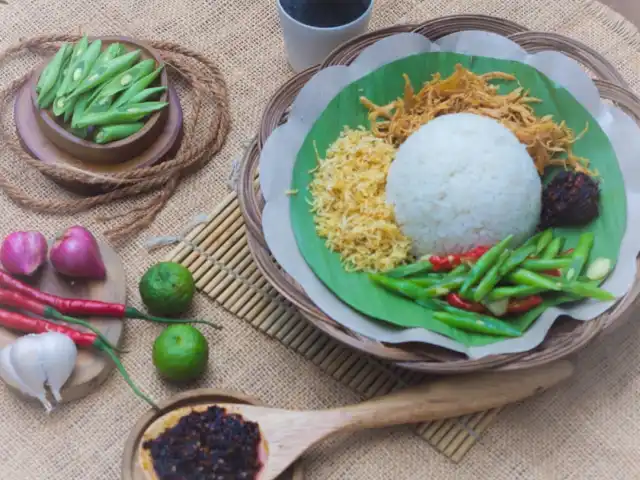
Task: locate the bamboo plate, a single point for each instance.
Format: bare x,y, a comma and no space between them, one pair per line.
34,141
131,465
92,369
566,337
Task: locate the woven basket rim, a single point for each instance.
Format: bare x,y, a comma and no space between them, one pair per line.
566,336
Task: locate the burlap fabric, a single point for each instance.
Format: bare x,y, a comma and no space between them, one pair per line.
585,429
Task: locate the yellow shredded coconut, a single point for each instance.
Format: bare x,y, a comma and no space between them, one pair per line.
348,203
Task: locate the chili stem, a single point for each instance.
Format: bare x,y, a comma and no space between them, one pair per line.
105,348
76,321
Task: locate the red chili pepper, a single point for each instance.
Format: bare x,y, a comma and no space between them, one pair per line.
457,301
566,253
553,273
449,262
81,307
13,299
27,324
523,305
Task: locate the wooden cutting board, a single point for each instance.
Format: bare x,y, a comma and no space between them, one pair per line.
92,368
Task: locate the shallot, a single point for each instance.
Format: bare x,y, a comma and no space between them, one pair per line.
23,253
76,254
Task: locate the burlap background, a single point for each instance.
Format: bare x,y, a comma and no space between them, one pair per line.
586,429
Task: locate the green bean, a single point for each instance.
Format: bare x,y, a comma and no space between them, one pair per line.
521,291
539,265
51,73
516,258
478,324
146,94
83,66
137,87
123,80
484,263
402,287
107,72
491,278
111,133
584,289
553,249
543,242
531,279
580,256
409,270
129,114
78,51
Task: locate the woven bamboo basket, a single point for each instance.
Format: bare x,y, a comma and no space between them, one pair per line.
566,337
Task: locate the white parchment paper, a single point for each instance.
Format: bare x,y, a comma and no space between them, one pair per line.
280,151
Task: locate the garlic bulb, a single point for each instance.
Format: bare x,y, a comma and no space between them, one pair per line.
34,361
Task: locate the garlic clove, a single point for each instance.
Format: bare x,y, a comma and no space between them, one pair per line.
8,373
25,359
58,356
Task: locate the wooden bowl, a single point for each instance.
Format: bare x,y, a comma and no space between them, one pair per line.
131,468
111,153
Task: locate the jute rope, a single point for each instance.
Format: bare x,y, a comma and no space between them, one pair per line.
206,84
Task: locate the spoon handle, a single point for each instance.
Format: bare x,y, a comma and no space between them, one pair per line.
453,397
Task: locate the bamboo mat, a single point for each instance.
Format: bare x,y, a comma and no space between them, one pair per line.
218,255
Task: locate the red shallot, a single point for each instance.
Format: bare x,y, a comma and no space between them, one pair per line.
23,253
76,254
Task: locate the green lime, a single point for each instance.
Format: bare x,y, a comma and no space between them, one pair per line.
167,289
180,353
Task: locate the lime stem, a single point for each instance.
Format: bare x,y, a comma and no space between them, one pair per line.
106,349
132,312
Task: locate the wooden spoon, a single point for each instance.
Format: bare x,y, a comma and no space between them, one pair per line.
287,434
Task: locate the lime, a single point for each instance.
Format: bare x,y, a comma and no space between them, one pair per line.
167,289
180,353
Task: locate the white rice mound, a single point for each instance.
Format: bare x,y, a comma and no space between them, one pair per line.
460,181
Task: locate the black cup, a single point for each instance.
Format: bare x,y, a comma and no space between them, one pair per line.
325,13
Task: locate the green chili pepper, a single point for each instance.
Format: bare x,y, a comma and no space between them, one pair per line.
137,87
584,289
553,249
123,80
47,100
580,256
106,72
521,291
83,66
539,265
478,324
484,263
402,287
128,114
531,279
409,270
491,279
543,242
78,51
517,258
146,94
111,133
51,73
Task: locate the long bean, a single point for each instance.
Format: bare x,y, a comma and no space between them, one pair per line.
553,249
123,80
400,286
444,287
541,265
478,324
492,278
520,291
78,50
531,279
48,99
584,289
543,242
517,258
84,65
129,114
409,270
112,133
483,264
580,256
146,94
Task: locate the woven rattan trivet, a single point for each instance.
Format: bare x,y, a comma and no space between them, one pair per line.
218,256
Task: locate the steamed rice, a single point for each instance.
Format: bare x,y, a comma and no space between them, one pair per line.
460,181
